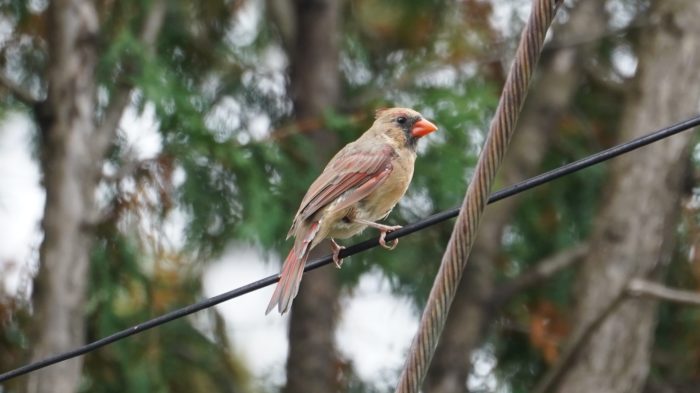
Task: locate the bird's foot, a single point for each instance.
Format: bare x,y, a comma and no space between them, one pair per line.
336,253
383,229
382,242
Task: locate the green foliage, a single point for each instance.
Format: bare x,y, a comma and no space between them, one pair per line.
676,331
223,188
550,218
177,357
227,183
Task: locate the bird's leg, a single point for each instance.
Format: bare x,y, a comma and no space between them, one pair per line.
336,251
383,229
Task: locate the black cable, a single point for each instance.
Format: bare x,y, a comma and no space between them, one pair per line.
359,247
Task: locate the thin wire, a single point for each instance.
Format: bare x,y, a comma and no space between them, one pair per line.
360,247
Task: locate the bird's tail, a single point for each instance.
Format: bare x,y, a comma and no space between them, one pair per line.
292,271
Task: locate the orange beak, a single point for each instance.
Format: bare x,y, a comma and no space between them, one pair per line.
422,128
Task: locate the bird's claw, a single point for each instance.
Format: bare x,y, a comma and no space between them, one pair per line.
382,236
336,253
383,229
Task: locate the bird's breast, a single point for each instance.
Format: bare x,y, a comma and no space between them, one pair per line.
379,203
375,206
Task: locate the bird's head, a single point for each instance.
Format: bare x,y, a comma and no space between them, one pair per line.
403,125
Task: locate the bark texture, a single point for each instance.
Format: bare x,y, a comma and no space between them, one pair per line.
312,365
315,84
633,231
74,145
549,99
315,78
70,174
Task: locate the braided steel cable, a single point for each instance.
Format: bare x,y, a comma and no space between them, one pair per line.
465,229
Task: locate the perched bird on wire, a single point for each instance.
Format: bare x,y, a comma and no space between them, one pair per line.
360,185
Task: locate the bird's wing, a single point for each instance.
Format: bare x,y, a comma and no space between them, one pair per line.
355,171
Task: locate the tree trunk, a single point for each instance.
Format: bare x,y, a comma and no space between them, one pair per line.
314,84
312,365
67,122
559,75
639,216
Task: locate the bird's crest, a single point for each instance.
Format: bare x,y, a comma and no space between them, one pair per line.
396,111
379,112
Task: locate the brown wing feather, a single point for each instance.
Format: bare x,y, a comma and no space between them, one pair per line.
349,170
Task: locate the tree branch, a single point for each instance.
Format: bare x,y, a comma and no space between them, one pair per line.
16,90
282,13
153,24
635,287
541,272
606,76
121,96
640,287
580,338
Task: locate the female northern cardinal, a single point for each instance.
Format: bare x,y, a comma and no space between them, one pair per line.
359,186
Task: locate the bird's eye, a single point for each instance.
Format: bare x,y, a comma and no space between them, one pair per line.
401,119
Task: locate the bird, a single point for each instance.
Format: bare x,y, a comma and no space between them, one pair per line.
359,186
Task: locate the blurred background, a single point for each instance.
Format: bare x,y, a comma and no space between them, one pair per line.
153,153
